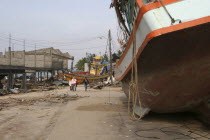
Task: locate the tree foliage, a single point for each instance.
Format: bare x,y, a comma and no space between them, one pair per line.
119,53
80,64
105,57
89,57
115,57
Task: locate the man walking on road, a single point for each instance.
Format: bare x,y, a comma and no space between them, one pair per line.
85,82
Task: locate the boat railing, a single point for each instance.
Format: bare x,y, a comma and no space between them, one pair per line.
130,10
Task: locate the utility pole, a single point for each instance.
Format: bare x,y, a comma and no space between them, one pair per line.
24,52
24,64
35,64
35,55
5,53
110,53
10,38
10,58
10,75
72,63
13,49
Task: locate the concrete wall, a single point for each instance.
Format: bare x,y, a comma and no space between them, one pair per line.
3,61
43,59
30,61
1,55
48,61
57,63
17,58
65,64
40,61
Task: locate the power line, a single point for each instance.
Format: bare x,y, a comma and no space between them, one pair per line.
42,44
30,45
84,48
60,43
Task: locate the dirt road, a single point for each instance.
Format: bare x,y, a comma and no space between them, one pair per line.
63,115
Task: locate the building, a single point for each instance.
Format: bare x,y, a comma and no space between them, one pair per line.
42,60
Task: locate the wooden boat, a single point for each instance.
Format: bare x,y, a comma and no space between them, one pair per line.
97,67
172,50
80,78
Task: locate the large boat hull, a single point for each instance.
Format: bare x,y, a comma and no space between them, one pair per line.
174,70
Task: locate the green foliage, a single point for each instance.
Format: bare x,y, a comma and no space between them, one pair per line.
80,64
119,53
105,57
89,57
114,57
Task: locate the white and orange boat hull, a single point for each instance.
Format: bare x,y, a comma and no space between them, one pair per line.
173,59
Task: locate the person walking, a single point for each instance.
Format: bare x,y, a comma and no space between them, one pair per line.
85,82
70,85
73,83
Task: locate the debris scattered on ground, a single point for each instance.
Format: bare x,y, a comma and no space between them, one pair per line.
14,91
98,87
3,92
48,99
57,83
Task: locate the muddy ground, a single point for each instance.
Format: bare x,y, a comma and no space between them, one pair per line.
64,115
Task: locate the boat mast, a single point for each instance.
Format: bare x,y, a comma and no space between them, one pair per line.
110,54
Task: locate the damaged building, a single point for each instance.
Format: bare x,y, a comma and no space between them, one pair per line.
48,60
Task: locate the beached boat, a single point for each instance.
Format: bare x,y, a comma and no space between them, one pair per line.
80,78
98,71
172,50
97,67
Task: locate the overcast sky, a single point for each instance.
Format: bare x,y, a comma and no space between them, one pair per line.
73,26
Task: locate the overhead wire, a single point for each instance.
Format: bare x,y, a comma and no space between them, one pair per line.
31,45
60,43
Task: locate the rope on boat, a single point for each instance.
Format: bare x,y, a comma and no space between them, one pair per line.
172,19
134,97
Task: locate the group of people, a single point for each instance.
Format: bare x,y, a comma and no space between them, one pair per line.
73,84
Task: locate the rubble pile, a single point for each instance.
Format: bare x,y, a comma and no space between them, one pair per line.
48,99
